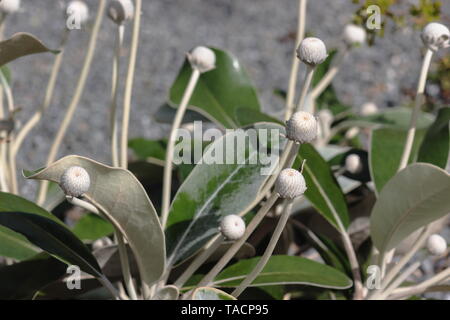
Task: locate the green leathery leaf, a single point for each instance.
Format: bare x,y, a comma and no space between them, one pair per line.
386,149
248,116
22,280
92,227
53,238
436,144
213,190
282,269
322,191
19,45
218,92
123,200
413,198
12,244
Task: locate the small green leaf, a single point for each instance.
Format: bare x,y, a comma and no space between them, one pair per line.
206,293
284,270
322,191
19,45
218,92
53,238
386,149
120,196
413,198
144,148
436,144
92,227
214,190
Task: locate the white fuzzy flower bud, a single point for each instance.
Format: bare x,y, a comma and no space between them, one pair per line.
354,34
301,127
368,109
120,11
203,59
75,181
435,36
232,227
353,163
290,184
9,6
436,245
352,132
312,51
79,10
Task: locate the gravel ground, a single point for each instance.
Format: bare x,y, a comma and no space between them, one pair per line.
255,31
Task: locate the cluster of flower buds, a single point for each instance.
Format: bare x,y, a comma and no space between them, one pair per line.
232,227
202,59
290,184
436,36
75,181
9,6
120,11
301,127
78,9
312,51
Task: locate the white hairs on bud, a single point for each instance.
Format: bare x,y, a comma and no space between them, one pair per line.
290,184
312,51
202,58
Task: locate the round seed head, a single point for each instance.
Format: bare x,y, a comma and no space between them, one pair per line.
435,36
312,51
9,6
301,127
232,227
75,181
369,108
436,245
79,9
202,58
290,184
120,11
353,163
354,34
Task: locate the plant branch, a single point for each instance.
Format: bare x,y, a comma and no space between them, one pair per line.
167,181
129,85
75,99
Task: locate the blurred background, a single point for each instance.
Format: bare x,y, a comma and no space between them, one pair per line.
261,34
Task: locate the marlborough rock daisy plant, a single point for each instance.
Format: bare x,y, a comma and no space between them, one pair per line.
323,200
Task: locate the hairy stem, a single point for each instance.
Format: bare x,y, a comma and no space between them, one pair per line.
198,261
114,94
167,181
129,85
267,253
308,79
295,61
124,263
75,99
418,103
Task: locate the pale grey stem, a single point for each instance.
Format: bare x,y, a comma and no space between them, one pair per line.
397,282
295,61
198,261
421,287
10,137
114,94
329,76
3,164
75,99
267,253
208,278
415,114
91,208
129,85
125,264
167,180
308,79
